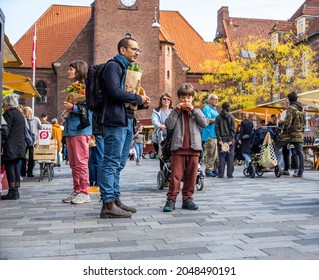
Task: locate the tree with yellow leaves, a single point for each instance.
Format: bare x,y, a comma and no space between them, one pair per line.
262,72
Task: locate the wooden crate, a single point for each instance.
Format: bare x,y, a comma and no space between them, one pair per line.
46,152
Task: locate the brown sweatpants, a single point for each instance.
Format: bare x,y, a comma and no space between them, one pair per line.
183,167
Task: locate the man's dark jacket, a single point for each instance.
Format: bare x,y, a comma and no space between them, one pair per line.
115,113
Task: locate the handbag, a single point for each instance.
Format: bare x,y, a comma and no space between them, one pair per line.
29,137
268,156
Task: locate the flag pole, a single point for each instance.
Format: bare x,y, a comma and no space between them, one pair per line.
33,62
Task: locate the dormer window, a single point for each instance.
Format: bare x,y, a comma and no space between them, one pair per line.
274,39
301,26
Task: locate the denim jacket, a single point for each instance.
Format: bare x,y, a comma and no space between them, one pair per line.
71,123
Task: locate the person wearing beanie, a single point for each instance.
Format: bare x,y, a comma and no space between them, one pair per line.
293,131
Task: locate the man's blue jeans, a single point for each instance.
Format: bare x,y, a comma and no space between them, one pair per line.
96,160
117,143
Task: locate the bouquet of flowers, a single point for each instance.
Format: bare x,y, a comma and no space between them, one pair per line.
75,94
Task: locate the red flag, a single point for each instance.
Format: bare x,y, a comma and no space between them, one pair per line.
34,45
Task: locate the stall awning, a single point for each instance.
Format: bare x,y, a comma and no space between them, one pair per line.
10,56
19,83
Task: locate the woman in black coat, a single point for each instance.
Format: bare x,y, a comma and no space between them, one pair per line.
14,144
245,133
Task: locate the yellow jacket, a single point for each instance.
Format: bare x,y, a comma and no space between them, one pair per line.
57,134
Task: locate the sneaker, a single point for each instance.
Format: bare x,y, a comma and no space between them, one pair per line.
189,204
210,174
69,198
169,206
285,172
81,198
297,175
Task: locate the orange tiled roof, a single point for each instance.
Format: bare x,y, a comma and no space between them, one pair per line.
308,8
314,27
190,46
238,31
284,26
57,28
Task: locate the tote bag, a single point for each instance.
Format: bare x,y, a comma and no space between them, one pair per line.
268,156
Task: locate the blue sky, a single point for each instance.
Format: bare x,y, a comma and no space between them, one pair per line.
201,14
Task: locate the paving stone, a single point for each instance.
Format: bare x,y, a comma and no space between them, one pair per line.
262,218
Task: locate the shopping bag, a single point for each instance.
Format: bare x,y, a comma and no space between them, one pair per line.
133,84
268,156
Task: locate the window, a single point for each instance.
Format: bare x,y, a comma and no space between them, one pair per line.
305,65
168,75
42,89
247,54
277,74
308,117
289,69
301,26
274,39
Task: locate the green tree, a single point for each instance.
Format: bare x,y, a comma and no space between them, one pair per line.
260,72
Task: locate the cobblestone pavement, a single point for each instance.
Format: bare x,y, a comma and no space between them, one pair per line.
240,218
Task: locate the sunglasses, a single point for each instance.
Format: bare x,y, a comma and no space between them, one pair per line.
166,99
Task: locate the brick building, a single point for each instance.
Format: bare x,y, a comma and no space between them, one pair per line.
171,54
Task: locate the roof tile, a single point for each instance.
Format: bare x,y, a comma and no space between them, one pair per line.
57,28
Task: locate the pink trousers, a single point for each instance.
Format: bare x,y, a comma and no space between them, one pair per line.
78,152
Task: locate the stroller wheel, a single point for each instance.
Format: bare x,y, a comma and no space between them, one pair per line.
160,180
259,172
245,171
199,183
277,171
251,170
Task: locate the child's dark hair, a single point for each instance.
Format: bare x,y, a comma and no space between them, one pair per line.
185,89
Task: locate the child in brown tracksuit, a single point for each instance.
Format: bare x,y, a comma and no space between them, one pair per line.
186,121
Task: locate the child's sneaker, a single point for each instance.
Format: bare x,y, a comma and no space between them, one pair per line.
189,204
169,206
81,198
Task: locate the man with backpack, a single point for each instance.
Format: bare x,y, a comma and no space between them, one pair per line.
293,130
118,127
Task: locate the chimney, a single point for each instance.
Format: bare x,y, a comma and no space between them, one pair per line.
222,14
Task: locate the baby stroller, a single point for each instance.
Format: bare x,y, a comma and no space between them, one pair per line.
164,175
256,142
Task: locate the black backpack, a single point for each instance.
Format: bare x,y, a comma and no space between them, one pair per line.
94,96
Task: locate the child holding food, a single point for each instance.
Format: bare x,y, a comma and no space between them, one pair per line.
186,123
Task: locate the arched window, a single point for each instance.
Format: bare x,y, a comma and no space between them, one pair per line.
42,89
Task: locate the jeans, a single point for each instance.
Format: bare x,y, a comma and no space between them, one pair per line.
247,158
139,150
96,160
117,143
299,149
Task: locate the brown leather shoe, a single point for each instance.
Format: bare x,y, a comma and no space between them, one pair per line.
110,210
120,204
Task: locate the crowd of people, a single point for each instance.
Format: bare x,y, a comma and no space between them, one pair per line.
97,148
